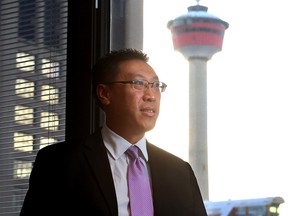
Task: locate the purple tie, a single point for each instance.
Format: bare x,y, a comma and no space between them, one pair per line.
139,186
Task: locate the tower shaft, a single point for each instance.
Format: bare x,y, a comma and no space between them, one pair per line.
198,157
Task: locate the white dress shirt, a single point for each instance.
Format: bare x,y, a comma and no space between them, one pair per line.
116,147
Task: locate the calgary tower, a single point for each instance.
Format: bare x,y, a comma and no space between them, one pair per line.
198,35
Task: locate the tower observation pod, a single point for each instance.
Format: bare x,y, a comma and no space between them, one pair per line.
198,35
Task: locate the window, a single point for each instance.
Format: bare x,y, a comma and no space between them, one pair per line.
49,94
23,115
27,18
23,142
32,90
24,88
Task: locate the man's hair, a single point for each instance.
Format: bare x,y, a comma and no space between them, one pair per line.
106,68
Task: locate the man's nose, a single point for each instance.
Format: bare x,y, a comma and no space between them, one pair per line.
149,93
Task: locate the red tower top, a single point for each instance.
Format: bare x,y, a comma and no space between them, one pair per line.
197,34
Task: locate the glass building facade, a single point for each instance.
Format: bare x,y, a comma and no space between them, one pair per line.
33,44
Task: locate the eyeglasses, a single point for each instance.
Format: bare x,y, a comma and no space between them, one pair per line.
142,84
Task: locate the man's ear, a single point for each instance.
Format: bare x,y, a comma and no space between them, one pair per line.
103,94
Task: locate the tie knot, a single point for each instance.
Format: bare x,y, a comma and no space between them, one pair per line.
133,152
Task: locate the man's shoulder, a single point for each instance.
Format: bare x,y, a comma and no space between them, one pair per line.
68,145
54,148
159,154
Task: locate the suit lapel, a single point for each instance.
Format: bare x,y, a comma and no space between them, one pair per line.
96,154
157,180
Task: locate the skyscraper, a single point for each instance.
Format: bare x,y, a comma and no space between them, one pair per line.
32,89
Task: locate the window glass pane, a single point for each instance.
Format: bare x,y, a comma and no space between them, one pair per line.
23,115
49,68
25,62
24,88
27,13
22,169
258,210
49,94
49,121
23,142
52,23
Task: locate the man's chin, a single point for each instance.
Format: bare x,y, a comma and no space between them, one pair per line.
149,127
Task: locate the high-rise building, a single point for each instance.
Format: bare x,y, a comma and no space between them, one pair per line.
32,89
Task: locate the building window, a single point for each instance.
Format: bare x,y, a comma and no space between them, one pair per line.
23,142
27,19
50,69
25,62
49,121
23,115
22,169
52,23
24,88
49,94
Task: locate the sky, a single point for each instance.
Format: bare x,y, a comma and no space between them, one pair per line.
247,95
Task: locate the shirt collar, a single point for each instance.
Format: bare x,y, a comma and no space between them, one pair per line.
117,145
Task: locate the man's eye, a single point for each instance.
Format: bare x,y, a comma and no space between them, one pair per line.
139,82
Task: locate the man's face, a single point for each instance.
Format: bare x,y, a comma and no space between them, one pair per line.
131,111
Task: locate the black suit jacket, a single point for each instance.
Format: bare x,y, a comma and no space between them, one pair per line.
76,179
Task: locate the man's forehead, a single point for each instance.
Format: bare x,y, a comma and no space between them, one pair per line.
141,75
137,68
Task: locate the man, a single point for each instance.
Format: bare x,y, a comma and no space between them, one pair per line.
93,177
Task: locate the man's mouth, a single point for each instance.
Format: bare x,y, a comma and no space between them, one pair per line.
148,111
